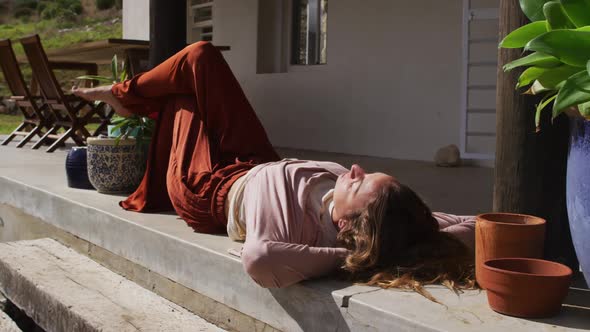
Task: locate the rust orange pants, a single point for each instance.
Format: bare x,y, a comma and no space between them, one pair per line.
207,135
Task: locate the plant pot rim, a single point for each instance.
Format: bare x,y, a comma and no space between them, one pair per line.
561,270
530,220
110,141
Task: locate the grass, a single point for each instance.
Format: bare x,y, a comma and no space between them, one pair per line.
54,35
54,38
8,123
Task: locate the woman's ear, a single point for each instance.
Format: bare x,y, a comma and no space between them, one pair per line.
342,223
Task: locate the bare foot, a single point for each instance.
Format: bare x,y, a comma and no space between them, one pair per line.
102,93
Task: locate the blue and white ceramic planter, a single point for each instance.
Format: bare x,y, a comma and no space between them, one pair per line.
115,168
578,190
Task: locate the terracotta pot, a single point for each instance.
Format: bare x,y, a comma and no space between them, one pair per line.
499,235
526,287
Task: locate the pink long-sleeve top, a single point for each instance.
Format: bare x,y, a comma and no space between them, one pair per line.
289,238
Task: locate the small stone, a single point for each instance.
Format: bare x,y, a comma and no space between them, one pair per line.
448,156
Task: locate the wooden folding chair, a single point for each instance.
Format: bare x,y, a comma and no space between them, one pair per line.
71,112
35,120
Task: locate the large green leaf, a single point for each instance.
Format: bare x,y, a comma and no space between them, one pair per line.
123,75
535,59
533,9
530,75
556,16
584,109
572,47
114,68
552,77
521,36
575,91
578,11
544,102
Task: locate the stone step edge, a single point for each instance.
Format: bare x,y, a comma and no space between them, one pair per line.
62,290
6,323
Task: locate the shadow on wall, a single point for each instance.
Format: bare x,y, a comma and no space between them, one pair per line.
312,306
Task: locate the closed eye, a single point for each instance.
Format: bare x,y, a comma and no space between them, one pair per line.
359,185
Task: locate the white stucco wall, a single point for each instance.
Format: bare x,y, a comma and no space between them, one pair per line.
136,19
391,87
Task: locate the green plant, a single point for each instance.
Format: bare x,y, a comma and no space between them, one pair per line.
65,11
23,12
557,45
142,125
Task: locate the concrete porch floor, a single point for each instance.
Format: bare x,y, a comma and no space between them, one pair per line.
458,190
34,183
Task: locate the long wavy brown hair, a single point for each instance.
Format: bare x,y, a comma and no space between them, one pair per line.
395,243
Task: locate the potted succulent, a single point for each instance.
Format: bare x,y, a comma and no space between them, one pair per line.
557,42
116,163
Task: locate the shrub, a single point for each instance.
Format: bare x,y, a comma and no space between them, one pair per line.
65,16
105,4
23,12
54,9
31,4
76,8
50,10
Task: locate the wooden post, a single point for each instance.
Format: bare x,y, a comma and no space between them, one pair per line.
515,189
530,167
167,29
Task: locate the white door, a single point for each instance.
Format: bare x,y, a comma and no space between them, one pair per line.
480,61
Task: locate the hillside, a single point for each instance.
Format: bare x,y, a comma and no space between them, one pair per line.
60,23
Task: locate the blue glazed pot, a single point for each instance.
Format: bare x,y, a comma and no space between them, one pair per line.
578,190
76,169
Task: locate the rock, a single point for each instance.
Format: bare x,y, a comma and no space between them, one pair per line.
448,156
7,325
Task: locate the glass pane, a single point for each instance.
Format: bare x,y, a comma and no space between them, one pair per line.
199,2
302,33
324,32
202,14
310,33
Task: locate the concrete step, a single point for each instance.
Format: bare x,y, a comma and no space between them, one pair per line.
6,323
159,252
62,290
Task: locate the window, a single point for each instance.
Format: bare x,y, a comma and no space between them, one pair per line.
310,22
200,22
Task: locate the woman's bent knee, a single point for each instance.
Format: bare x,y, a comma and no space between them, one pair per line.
201,50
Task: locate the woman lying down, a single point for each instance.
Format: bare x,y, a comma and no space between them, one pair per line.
211,161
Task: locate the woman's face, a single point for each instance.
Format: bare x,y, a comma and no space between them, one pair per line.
355,190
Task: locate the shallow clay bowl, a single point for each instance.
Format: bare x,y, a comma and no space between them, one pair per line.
526,287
